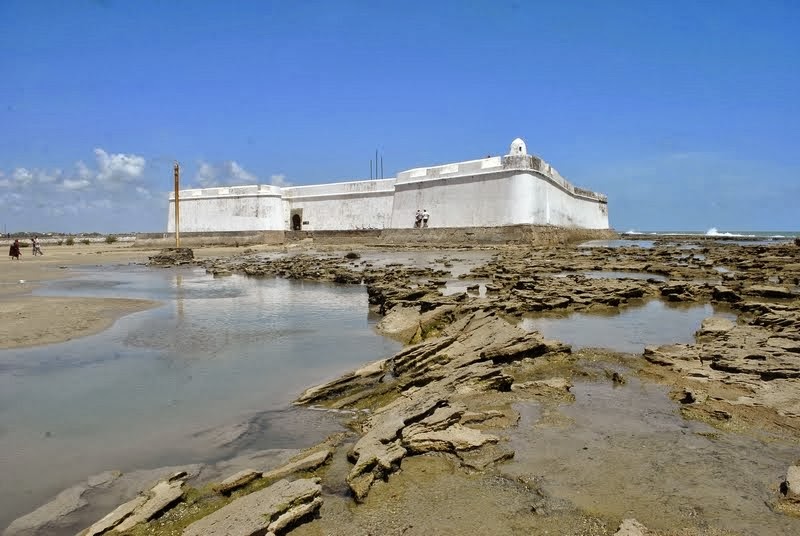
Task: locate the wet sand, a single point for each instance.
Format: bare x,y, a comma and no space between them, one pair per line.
27,320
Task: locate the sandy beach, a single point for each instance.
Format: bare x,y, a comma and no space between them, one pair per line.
28,320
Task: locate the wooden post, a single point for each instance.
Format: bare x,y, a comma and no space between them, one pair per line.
177,174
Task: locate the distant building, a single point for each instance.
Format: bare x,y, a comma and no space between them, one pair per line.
496,191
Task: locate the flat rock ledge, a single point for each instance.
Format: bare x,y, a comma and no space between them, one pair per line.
236,481
308,462
270,510
140,509
426,381
761,356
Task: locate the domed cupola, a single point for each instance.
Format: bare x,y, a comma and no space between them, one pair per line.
518,148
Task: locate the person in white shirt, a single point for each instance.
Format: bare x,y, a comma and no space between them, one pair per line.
425,217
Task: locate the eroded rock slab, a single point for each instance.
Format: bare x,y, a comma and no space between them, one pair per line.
235,481
307,463
162,496
264,511
115,517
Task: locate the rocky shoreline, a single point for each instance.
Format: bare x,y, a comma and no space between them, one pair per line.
441,410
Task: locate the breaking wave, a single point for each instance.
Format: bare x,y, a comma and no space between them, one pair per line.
714,232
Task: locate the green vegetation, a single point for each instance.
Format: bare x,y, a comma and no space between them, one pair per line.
110,239
86,241
70,241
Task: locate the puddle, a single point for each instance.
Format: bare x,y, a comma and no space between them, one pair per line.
596,274
627,452
692,256
218,353
617,244
458,286
655,322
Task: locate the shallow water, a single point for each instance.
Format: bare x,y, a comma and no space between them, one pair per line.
627,452
617,244
458,286
628,330
597,274
166,385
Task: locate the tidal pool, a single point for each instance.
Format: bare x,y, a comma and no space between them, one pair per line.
626,451
619,243
599,274
628,330
167,385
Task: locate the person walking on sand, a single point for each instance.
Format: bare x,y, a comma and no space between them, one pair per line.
14,251
425,217
37,248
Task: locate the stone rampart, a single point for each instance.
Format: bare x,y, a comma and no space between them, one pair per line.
508,234
433,237
218,238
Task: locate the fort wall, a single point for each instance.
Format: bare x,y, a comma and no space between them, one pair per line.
516,189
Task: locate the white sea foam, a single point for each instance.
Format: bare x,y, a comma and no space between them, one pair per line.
714,232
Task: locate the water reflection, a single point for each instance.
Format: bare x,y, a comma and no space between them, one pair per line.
217,352
654,322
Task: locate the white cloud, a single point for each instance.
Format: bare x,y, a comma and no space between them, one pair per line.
206,175
227,173
75,184
113,192
239,174
82,170
22,176
279,179
114,169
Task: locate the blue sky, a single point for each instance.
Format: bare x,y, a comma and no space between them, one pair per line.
685,113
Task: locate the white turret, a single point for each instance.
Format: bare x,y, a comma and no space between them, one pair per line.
518,148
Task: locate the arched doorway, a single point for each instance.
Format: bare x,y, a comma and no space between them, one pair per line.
297,222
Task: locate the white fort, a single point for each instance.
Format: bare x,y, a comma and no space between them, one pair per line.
516,189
